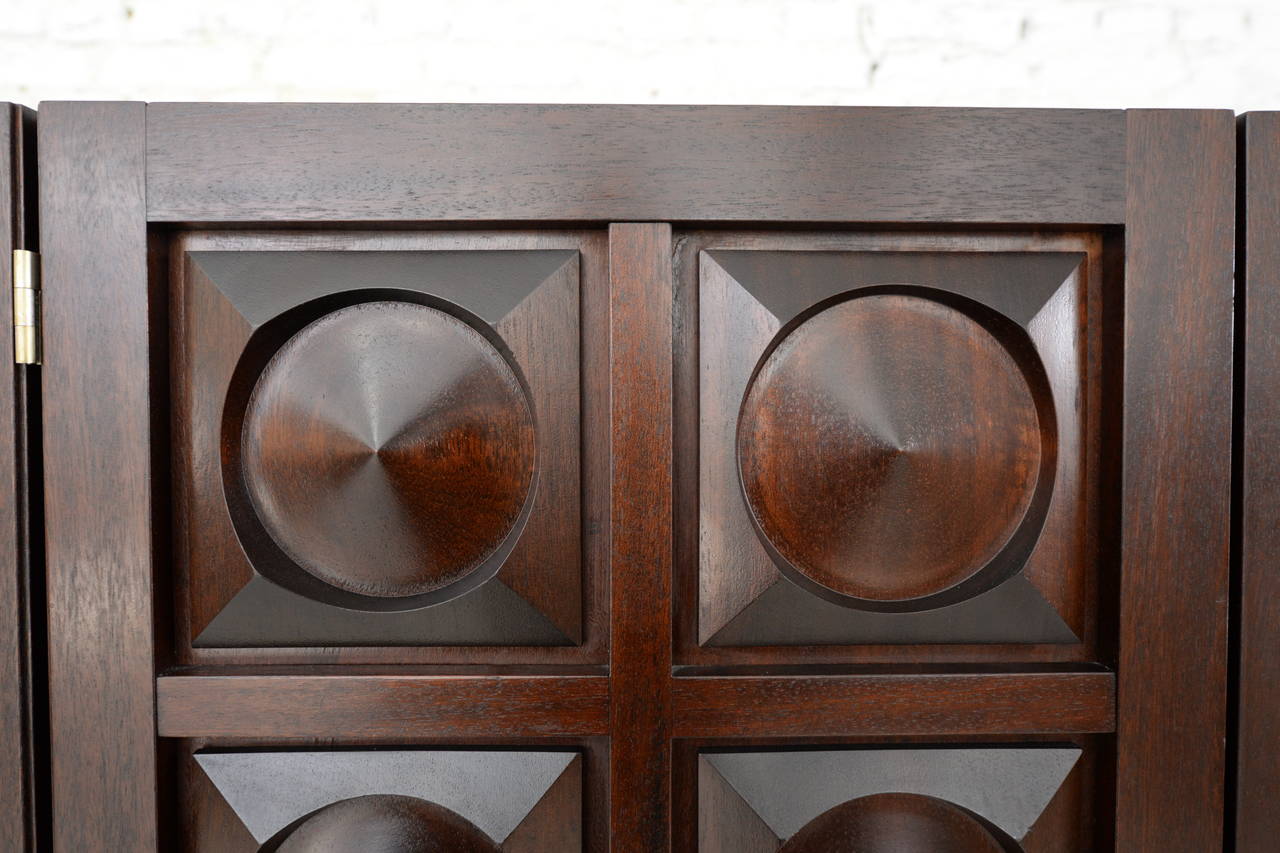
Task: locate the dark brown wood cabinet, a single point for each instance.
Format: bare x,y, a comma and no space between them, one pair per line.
719,479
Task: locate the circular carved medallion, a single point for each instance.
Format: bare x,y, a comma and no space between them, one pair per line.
383,823
889,447
897,823
388,449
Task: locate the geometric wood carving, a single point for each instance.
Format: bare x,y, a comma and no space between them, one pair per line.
899,822
381,822
429,800
395,429
890,447
877,799
379,447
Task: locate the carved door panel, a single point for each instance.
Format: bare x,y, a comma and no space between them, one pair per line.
636,479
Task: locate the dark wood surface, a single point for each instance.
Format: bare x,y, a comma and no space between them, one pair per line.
426,796
101,537
383,822
1026,795
1179,243
640,285
893,704
455,163
1145,306
571,812
390,429
381,706
1257,743
557,566
22,750
1076,818
731,586
897,823
556,822
884,472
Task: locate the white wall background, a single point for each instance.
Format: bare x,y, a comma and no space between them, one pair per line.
1105,53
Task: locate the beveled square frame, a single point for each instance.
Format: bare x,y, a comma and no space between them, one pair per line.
745,606
546,600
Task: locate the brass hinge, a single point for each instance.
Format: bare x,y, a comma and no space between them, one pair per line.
26,307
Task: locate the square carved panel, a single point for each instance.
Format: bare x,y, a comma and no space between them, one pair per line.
960,798
469,801
895,446
379,447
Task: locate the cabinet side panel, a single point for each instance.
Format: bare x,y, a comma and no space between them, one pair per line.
1258,356
19,667
98,494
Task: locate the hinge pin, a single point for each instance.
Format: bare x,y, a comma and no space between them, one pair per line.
26,307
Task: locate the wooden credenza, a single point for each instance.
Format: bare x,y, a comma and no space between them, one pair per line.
568,478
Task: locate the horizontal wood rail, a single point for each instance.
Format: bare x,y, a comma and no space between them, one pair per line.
525,163
372,706
486,705
915,704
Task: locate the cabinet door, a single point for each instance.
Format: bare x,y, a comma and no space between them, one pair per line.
22,801
1257,781
556,478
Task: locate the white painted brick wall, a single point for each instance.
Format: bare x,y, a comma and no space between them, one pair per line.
1104,53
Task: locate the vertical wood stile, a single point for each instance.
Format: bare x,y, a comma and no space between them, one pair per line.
1257,780
640,274
1176,480
97,434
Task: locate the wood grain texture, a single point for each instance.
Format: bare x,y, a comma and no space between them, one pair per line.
21,624
397,162
389,450
640,715
558,564
1257,762
1176,480
555,822
892,704
575,808
898,823
726,822
1052,281
382,822
98,425
381,706
886,472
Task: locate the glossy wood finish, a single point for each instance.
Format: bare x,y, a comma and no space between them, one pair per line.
493,783
101,533
1028,308
439,704
23,752
896,823
893,796
237,297
889,449
643,723
1177,434
330,162
518,801
382,823
388,449
818,703
640,279
1256,784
